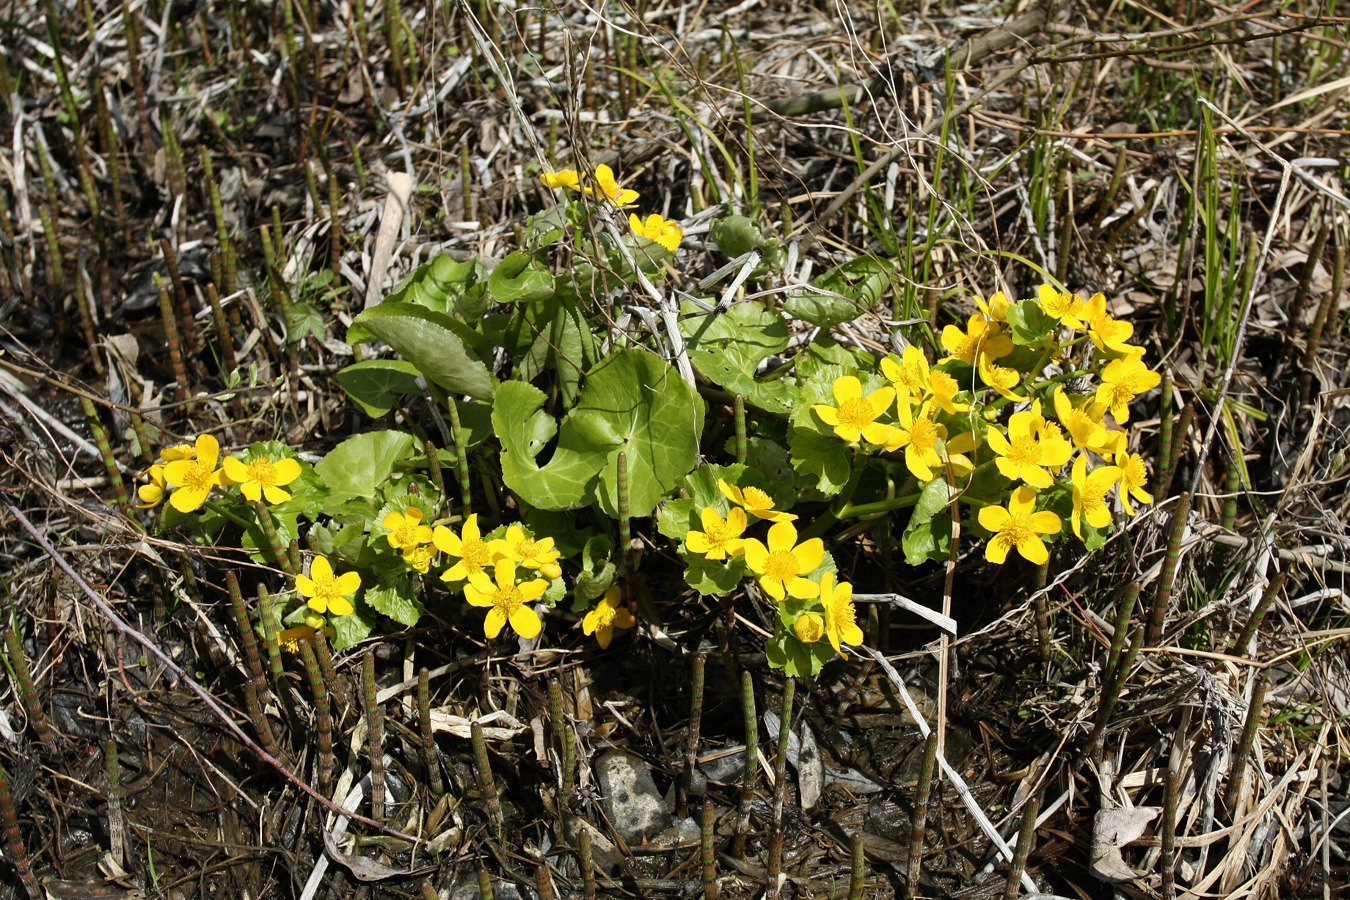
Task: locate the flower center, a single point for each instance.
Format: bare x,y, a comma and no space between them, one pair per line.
604,615
198,478
755,498
842,617
781,565
508,600
407,534
1018,529
923,435
856,412
261,471
1024,450
477,556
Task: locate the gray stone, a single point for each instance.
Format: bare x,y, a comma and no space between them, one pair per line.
632,803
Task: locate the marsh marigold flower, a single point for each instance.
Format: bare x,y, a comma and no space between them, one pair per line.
919,435
782,564
855,418
531,553
1061,306
506,601
408,534
325,592
755,501
1123,380
261,477
1028,450
1133,478
809,628
1089,494
607,616
982,338
1018,526
194,479
665,232
1106,331
1000,378
1083,423
719,538
607,185
841,625
152,493
563,178
910,374
474,553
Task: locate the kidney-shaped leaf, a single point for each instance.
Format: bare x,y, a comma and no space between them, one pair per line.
360,465
436,344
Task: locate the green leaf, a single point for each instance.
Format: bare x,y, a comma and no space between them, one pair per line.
633,402
1031,325
444,285
928,536
360,465
437,345
848,291
821,460
376,384
394,598
712,577
728,348
352,629
786,651
520,278
303,319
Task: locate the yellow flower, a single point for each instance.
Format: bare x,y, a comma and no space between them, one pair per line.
1000,378
1133,477
325,592
532,554
1028,450
1089,494
474,553
1018,526
781,565
856,416
919,436
996,308
262,477
620,197
194,478
809,628
944,389
1123,380
665,232
840,617
1084,423
981,338
151,494
911,374
178,451
1107,333
718,539
406,531
506,601
420,557
565,178
1064,307
607,616
756,502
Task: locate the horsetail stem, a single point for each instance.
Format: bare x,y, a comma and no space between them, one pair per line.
1165,415
1120,629
697,682
1232,481
255,691
27,689
170,321
336,686
707,850
1168,826
1158,617
224,336
374,734
466,182
267,613
487,785
857,871
780,786
228,274
145,443
543,881
1258,615
1041,609
323,715
587,862
105,451
461,455
275,547
1116,683
919,825
437,477
1324,310
18,853
1303,289
484,885
85,304
187,329
1247,740
175,169
429,761
1026,837
742,444
1169,467
751,723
